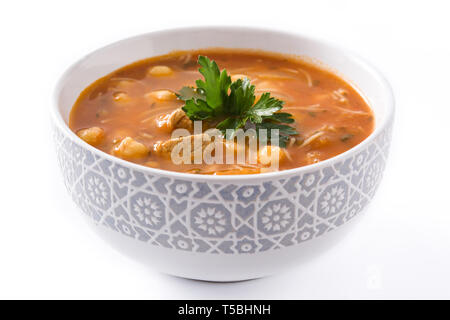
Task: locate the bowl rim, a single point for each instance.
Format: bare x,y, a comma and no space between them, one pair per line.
373,71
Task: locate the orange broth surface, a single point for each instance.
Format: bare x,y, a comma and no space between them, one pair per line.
330,115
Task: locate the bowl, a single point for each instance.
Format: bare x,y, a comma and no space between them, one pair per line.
168,220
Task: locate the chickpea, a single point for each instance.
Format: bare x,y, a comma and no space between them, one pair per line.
129,148
265,154
160,71
94,136
161,95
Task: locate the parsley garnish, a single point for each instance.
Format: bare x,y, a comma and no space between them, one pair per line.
233,103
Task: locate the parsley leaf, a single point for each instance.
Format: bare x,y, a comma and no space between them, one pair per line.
231,124
198,110
188,93
241,98
233,104
284,132
282,117
265,107
215,85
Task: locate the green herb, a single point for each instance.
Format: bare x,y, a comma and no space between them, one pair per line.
312,114
284,131
233,103
187,93
346,137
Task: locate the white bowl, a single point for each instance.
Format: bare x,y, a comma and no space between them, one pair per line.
117,195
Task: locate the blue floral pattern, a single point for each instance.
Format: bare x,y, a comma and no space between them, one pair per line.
148,210
332,200
211,220
276,216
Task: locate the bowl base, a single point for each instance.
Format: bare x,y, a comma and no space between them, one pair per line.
212,267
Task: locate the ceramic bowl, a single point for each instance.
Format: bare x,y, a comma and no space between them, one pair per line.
221,228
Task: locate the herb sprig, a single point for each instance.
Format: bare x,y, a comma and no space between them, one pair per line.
233,104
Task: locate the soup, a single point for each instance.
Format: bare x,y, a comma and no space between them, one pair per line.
133,112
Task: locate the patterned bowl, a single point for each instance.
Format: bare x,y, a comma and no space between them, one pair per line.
221,228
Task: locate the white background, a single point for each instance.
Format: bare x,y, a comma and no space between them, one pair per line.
401,247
